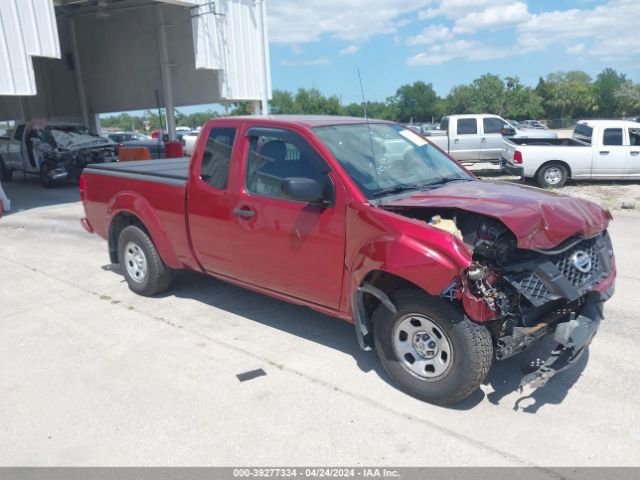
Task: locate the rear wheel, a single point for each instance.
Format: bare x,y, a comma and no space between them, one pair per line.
144,270
552,175
430,348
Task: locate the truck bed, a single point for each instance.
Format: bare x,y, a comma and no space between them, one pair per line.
165,170
557,142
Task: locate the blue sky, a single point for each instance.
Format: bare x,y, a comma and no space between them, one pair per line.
322,42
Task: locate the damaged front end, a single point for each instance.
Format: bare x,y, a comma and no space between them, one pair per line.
59,164
524,295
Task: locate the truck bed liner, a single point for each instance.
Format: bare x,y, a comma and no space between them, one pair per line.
173,171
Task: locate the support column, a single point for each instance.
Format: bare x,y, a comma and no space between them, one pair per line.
255,107
77,70
262,21
97,124
165,68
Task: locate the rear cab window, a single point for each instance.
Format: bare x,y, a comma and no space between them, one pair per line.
19,133
216,159
583,132
467,126
634,137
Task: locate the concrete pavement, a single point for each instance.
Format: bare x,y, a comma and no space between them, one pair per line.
95,375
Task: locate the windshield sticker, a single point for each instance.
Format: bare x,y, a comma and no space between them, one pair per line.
413,137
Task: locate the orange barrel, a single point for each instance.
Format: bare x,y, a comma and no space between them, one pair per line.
173,150
127,154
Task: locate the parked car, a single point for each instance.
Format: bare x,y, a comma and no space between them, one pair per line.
599,150
53,151
139,140
479,138
533,124
439,271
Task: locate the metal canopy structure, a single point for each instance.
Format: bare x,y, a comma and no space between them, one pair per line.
75,59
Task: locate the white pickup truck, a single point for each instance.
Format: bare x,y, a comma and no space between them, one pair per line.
599,150
52,151
479,137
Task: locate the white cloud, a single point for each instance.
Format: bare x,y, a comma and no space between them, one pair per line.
297,22
578,48
493,18
306,63
465,49
607,31
431,34
350,50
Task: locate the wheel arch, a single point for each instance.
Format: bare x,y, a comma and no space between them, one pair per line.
131,209
554,162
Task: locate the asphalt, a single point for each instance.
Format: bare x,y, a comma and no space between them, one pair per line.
91,374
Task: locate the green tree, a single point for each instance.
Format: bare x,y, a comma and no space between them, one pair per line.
568,95
282,102
521,102
313,102
417,102
607,84
489,94
460,100
628,96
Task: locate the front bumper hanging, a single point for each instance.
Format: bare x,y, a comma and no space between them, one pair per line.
573,337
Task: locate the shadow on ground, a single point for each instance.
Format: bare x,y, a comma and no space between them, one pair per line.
26,193
302,322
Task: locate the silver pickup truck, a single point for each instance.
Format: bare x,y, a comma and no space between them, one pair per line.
479,137
599,150
52,151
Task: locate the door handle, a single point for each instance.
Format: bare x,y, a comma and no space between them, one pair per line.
635,153
484,140
456,141
244,212
604,152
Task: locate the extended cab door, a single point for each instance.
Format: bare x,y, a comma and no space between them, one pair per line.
281,244
633,163
611,155
210,198
465,139
491,138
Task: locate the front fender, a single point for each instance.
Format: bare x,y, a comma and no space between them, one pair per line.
134,204
423,264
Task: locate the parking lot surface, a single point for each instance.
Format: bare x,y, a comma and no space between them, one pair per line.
94,375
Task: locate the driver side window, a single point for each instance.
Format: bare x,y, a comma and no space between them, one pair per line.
275,157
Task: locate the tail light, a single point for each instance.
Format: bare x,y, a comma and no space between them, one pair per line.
83,191
517,157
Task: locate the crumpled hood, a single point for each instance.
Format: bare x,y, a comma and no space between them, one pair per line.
539,219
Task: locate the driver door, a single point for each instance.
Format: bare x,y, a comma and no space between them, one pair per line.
279,243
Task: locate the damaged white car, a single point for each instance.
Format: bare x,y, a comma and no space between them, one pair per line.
55,152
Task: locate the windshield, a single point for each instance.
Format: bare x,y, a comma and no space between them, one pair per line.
66,135
387,158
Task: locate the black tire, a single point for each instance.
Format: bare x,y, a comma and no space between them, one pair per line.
157,276
45,179
471,349
552,175
6,175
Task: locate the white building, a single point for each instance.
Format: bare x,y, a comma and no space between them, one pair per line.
75,59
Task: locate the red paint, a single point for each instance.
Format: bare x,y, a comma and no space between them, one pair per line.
319,257
538,218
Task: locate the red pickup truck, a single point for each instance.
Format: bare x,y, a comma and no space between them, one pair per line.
367,221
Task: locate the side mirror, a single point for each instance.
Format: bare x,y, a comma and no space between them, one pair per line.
303,189
508,131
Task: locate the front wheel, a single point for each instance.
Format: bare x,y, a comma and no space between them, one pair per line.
144,270
430,348
45,179
552,175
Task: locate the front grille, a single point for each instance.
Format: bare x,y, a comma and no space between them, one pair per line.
557,277
578,279
532,288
